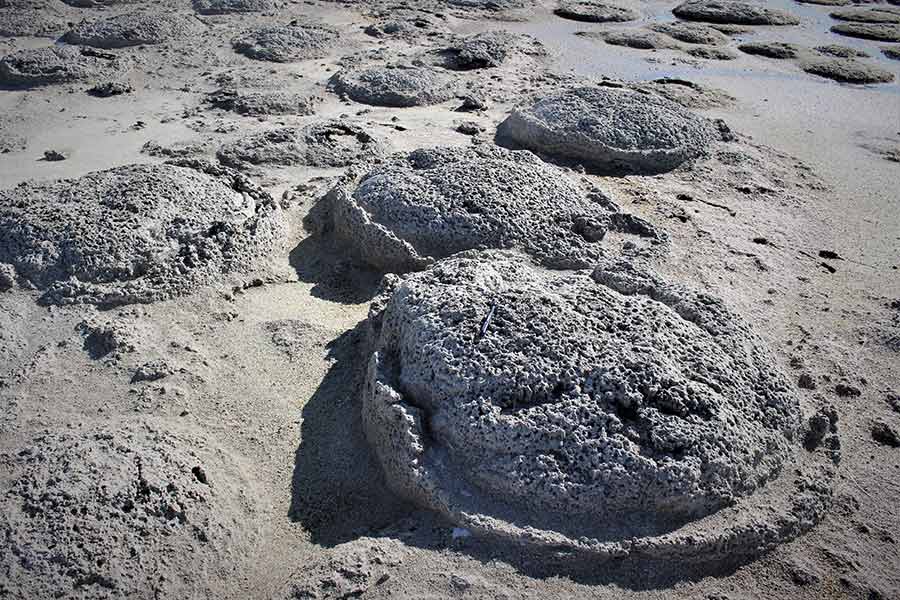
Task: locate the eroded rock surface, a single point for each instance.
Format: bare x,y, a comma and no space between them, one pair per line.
286,43
732,12
224,7
592,11
32,67
485,50
137,233
882,32
259,103
133,29
395,86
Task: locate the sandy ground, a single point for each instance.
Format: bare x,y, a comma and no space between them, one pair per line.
267,371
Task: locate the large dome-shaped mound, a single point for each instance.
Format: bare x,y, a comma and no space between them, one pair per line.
610,129
732,12
133,29
286,43
600,413
32,67
226,7
417,208
137,233
103,511
395,86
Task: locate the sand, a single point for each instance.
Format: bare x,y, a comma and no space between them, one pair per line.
209,432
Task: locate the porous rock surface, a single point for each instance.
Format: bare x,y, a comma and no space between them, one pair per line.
887,14
133,29
136,233
692,33
486,50
610,129
882,32
32,67
30,22
777,50
258,103
598,413
395,86
595,12
415,209
846,70
733,12
286,43
101,511
224,7
97,3
332,143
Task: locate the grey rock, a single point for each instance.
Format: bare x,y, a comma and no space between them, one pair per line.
134,29
641,39
846,70
610,129
395,86
881,14
839,51
732,12
595,12
484,50
260,103
415,209
15,22
333,143
110,88
885,434
137,233
779,50
599,415
224,7
711,53
7,277
33,67
692,33
286,43
882,32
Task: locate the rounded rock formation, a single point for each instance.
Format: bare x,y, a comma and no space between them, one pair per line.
692,33
730,12
610,130
33,67
418,208
881,32
325,144
589,415
846,70
395,86
591,11
225,7
777,50
102,511
286,43
261,103
485,50
137,233
133,29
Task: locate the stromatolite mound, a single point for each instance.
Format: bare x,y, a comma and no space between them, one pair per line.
595,12
610,129
134,29
484,50
395,86
415,209
258,103
325,144
32,22
591,415
733,12
777,50
102,512
97,3
32,67
846,70
225,7
886,14
286,43
692,33
882,32
137,233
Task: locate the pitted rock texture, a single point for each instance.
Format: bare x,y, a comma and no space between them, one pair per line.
577,402
846,70
595,12
395,86
610,129
882,32
100,512
732,12
134,29
137,233
632,37
286,43
32,67
881,14
264,103
30,22
325,144
408,26
418,208
97,3
486,50
692,33
777,50
225,7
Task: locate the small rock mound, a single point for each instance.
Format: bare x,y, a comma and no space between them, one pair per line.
286,43
264,103
412,27
15,22
137,233
485,50
641,39
839,51
604,415
733,13
882,32
325,144
868,15
225,7
106,511
416,209
692,33
891,52
33,67
133,29
846,70
610,129
595,12
395,86
778,50
97,3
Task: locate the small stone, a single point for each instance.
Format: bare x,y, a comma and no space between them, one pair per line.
806,381
845,390
53,156
885,435
469,128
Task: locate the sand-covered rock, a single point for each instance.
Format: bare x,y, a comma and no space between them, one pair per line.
610,129
711,52
641,39
225,7
259,103
332,143
879,14
846,70
605,414
121,512
137,233
405,25
484,50
841,51
882,32
33,67
415,209
592,11
692,33
134,29
286,43
400,86
778,50
733,12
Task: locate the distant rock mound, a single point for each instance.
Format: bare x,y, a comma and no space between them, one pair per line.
484,50
591,11
395,86
733,13
259,103
134,29
881,32
34,67
286,43
225,7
